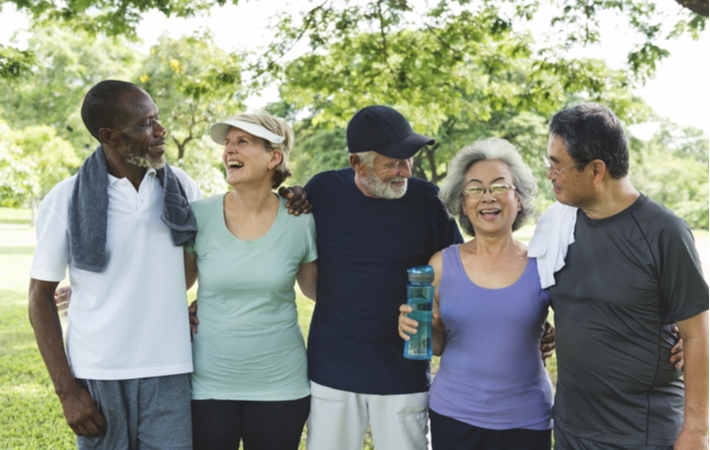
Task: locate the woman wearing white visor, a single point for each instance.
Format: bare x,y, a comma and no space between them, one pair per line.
250,380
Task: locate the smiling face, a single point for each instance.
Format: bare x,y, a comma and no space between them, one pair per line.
246,159
490,213
141,137
386,177
568,184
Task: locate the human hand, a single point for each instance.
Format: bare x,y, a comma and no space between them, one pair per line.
81,413
61,298
547,342
677,354
297,200
192,312
406,326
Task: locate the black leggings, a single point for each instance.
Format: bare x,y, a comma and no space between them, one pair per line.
221,424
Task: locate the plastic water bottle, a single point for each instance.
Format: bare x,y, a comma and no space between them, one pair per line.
420,296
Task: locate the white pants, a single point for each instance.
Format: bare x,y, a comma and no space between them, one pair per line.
338,420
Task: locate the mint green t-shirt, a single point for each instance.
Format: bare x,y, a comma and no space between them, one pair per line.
249,345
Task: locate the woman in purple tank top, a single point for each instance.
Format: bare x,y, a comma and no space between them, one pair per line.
492,390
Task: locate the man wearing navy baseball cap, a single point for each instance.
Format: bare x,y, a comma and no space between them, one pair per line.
374,222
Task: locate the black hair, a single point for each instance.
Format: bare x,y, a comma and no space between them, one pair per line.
592,131
102,106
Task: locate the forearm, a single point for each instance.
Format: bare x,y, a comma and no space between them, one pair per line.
694,434
696,384
48,333
307,278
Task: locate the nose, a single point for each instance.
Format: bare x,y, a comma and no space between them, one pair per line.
159,129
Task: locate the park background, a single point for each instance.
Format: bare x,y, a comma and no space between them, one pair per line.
459,70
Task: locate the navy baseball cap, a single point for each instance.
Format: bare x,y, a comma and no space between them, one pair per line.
384,130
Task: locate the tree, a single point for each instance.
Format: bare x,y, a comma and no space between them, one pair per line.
32,161
67,64
672,168
457,80
194,84
334,18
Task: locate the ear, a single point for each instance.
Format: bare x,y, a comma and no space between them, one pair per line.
357,164
275,158
598,171
108,135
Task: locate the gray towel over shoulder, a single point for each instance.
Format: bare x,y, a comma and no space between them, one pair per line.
88,212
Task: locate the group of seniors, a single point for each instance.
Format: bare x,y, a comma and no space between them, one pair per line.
618,269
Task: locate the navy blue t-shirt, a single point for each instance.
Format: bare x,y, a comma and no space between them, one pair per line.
365,246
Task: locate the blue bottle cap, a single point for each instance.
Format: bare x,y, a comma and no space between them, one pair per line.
421,274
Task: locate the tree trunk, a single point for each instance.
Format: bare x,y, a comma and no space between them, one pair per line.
697,6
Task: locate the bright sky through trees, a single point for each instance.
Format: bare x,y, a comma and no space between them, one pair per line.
680,90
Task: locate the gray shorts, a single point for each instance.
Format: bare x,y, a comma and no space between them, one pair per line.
142,414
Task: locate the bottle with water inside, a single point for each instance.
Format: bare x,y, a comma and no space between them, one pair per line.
420,296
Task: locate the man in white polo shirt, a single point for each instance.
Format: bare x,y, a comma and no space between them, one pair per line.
118,226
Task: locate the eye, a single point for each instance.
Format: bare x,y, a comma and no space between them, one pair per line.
473,191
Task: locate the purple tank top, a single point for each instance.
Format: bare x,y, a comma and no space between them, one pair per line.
491,374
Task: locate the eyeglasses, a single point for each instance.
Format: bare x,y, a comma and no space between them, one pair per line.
496,189
551,170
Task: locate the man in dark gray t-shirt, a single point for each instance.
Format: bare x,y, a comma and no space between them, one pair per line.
632,271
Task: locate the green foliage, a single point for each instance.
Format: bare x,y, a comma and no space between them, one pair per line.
14,63
672,168
32,416
32,161
459,78
194,83
66,64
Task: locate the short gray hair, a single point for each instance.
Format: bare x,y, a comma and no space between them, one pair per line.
451,193
367,158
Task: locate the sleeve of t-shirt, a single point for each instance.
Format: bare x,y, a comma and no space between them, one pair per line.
311,253
683,286
51,255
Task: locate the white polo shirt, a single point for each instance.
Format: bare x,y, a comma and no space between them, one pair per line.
129,321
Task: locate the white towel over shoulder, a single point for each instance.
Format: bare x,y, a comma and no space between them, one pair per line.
553,234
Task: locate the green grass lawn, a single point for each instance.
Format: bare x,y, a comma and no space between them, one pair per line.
31,413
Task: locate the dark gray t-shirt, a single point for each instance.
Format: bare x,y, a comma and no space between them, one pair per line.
626,279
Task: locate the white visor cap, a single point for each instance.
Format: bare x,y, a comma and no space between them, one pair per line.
220,129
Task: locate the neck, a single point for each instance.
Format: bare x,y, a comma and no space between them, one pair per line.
120,169
250,200
496,244
611,197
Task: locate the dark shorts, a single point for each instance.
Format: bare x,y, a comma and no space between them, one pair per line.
451,434
145,413
567,441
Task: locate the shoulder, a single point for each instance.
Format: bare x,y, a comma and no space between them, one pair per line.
190,185
657,219
423,190
206,204
327,178
61,193
303,220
